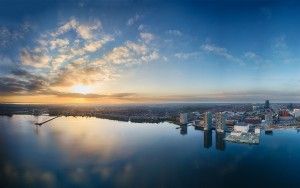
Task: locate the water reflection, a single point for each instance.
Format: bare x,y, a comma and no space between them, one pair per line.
269,132
207,139
90,152
36,130
183,130
220,142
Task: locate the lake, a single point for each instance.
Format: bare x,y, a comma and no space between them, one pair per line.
91,152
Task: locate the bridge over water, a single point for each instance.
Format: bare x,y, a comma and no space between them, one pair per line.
41,123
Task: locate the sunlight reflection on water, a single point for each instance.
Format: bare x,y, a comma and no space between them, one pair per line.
91,152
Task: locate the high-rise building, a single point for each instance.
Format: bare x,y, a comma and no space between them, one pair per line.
183,118
267,104
269,118
207,121
290,107
220,121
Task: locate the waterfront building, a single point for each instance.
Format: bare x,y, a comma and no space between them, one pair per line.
269,118
285,118
240,128
284,115
257,130
183,118
296,113
220,122
207,121
241,134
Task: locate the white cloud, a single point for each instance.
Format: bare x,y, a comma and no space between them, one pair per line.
282,52
10,35
72,24
58,43
134,19
174,32
6,63
131,53
37,60
141,27
187,55
65,49
95,45
58,60
67,59
146,37
85,31
255,58
216,50
280,42
219,51
250,55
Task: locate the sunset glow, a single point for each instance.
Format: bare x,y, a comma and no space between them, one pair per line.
82,89
88,52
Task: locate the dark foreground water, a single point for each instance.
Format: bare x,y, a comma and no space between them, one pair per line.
90,152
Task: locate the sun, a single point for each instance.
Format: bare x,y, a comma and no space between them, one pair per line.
82,89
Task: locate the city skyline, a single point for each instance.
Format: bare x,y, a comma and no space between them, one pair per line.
149,51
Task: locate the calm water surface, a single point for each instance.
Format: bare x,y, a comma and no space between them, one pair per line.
91,152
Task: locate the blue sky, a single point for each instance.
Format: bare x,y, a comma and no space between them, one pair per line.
142,51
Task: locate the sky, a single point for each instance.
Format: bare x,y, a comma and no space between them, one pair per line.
149,51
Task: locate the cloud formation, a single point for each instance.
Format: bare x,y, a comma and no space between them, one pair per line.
133,19
85,31
174,32
72,54
11,35
187,55
222,52
147,37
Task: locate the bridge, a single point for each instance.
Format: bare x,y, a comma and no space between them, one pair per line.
46,121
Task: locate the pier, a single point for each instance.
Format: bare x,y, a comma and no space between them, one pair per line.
46,121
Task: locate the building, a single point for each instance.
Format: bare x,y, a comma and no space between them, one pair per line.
290,106
269,118
257,131
255,107
242,129
252,120
241,134
207,121
220,122
267,104
183,118
296,113
285,115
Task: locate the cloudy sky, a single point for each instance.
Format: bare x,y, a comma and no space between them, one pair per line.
149,51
